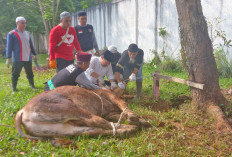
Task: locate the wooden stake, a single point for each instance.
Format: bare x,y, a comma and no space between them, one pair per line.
156,86
179,80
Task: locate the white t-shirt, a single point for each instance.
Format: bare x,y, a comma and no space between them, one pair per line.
26,49
95,66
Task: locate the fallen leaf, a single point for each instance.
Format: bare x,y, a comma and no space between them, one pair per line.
22,153
58,142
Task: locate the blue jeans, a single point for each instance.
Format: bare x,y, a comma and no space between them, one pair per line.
127,72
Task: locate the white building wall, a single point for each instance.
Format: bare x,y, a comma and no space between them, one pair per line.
122,22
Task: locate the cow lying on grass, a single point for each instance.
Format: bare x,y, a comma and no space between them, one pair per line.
70,110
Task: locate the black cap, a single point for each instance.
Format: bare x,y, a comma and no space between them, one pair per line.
109,56
82,13
133,48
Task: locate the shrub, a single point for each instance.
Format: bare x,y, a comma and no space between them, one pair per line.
224,65
170,64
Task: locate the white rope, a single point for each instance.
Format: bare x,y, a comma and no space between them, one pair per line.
120,118
101,101
113,127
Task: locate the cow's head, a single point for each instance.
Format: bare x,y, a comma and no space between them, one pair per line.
118,91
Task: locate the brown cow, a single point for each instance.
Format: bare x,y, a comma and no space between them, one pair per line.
70,110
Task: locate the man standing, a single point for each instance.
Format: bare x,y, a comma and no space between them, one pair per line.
117,56
73,74
20,48
86,35
101,66
130,66
62,39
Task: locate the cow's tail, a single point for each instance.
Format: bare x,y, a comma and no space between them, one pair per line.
18,123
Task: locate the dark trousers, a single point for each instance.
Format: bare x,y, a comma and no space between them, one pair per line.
62,63
16,70
46,87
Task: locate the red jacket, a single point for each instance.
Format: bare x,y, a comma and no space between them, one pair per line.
65,50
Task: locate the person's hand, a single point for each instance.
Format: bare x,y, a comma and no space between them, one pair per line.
97,53
113,85
132,77
101,80
35,58
95,75
121,85
52,64
8,62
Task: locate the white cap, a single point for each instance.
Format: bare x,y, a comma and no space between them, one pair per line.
112,49
20,18
65,14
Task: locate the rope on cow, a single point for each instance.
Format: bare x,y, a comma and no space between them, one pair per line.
114,128
118,123
120,118
101,101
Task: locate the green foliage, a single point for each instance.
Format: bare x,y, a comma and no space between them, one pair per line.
10,9
165,63
163,32
170,64
89,3
156,60
224,65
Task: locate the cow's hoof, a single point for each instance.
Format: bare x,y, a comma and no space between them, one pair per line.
126,130
144,123
132,118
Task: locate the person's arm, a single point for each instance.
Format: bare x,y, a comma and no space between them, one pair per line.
139,61
82,80
76,42
110,74
94,40
9,46
32,47
120,66
52,44
90,70
135,70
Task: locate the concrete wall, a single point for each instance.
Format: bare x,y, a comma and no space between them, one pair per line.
122,22
40,43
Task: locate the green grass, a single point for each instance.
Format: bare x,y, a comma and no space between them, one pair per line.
177,132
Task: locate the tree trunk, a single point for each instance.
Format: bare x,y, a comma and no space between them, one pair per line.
55,11
47,30
2,41
201,62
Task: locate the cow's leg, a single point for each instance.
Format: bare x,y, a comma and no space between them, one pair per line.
114,117
132,118
41,129
45,129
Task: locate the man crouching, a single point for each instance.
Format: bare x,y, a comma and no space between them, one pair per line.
73,74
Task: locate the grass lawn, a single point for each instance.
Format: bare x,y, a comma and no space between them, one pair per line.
179,130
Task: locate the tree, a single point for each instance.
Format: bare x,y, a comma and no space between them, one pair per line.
50,10
201,62
10,9
89,3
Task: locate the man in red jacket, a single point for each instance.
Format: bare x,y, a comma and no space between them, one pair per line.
62,39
